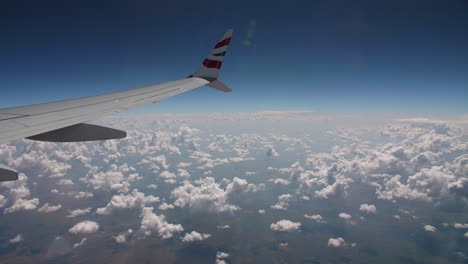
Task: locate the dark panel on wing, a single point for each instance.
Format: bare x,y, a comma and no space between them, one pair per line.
80,132
7,174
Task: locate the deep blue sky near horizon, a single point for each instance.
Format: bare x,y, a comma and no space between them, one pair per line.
330,56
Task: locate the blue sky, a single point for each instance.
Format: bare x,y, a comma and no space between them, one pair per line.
330,56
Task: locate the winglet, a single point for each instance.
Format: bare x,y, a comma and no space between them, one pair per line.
209,70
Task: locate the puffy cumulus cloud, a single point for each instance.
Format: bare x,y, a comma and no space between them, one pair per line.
79,244
285,226
466,235
239,185
165,206
17,239
122,237
419,161
22,205
336,242
152,186
155,164
317,218
194,236
7,153
184,164
80,195
424,185
209,195
46,208
150,222
214,147
221,257
333,190
17,194
79,212
167,175
394,189
280,181
430,228
368,208
345,216
293,172
170,177
459,226
38,162
131,200
261,211
283,202
115,178
83,228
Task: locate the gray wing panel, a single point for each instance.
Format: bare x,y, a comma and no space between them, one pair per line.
26,121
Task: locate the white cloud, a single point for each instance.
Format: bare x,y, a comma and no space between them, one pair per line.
368,208
208,196
22,204
222,255
131,200
165,206
82,242
336,242
79,212
458,225
122,237
80,195
17,192
283,202
280,181
40,163
167,175
430,228
46,208
115,178
336,189
261,211
194,236
151,222
345,216
85,227
152,186
285,226
17,239
317,218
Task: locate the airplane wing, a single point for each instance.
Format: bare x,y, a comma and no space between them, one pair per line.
65,121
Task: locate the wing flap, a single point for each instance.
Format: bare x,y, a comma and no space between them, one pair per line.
80,132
